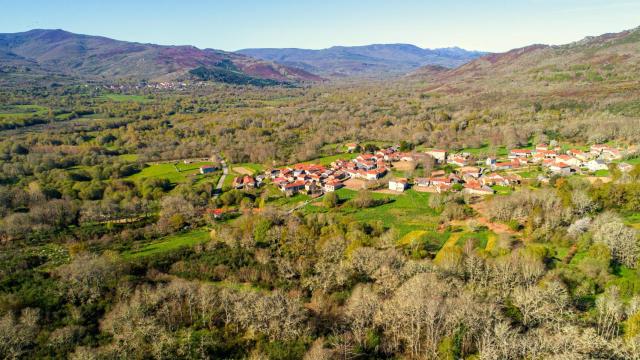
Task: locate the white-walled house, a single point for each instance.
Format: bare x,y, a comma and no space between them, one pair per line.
398,185
439,155
595,165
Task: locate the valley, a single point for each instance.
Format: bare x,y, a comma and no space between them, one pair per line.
375,202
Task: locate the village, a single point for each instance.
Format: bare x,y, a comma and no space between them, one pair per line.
448,172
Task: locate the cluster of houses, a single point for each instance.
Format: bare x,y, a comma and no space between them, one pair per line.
570,162
310,178
314,179
469,179
246,182
468,176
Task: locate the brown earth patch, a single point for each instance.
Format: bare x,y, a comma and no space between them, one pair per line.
404,165
388,192
483,219
242,170
355,184
428,189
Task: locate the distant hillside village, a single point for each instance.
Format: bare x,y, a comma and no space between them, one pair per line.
448,172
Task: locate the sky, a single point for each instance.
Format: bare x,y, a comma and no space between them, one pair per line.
488,25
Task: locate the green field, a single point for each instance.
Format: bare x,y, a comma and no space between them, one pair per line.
327,160
602,173
627,280
634,161
407,212
169,243
229,179
502,190
528,174
124,98
500,151
482,237
129,157
288,202
174,172
22,111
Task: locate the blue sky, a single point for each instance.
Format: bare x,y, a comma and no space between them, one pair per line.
491,25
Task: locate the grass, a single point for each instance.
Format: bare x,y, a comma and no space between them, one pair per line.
172,242
22,111
228,181
602,173
411,237
125,98
529,174
634,161
633,220
500,150
407,212
289,201
492,240
502,190
327,160
173,172
628,281
482,238
129,157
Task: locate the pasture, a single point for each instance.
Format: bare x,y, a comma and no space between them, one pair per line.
406,212
22,111
125,98
174,172
170,243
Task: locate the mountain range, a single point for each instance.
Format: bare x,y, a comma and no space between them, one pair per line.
369,60
607,62
595,67
65,54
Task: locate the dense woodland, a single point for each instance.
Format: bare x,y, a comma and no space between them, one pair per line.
322,282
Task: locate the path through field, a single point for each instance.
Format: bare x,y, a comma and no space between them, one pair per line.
225,171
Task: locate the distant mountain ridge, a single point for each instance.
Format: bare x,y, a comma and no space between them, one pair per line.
367,60
64,53
611,56
602,70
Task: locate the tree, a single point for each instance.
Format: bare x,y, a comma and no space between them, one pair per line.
609,310
88,276
406,146
415,317
16,335
609,229
331,200
175,213
360,311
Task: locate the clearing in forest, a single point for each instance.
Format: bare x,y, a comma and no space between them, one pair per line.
170,243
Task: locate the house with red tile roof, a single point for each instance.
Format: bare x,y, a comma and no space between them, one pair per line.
476,188
375,174
332,185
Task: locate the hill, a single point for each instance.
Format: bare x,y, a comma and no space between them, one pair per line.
597,67
369,60
96,58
